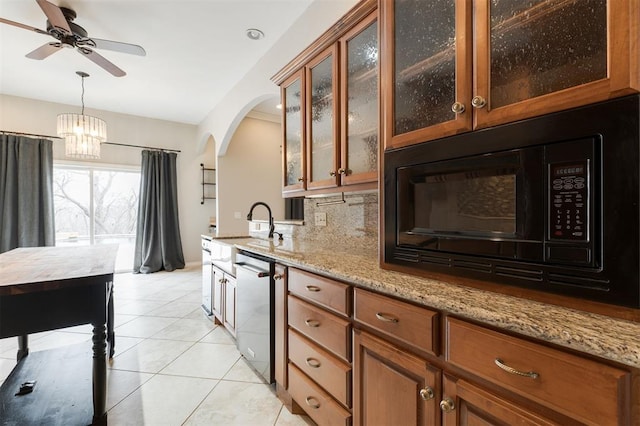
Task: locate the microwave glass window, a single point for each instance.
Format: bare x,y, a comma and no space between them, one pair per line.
482,203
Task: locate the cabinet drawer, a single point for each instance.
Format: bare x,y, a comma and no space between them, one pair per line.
403,321
325,369
324,291
322,327
589,391
316,403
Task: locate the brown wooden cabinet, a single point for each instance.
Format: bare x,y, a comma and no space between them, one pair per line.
456,66
330,109
412,365
548,377
392,386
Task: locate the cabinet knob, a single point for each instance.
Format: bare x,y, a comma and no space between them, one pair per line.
447,405
277,277
478,102
300,179
332,173
342,171
457,107
427,393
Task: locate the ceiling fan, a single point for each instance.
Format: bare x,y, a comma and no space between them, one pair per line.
60,26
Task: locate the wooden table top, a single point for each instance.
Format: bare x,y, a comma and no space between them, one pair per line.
28,269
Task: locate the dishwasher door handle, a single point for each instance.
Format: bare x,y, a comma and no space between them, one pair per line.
259,272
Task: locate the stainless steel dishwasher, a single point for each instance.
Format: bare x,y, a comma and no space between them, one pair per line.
255,312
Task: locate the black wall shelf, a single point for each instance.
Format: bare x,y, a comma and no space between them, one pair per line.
205,183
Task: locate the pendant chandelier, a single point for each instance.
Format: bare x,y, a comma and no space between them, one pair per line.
82,133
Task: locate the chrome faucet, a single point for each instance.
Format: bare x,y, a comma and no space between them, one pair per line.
271,226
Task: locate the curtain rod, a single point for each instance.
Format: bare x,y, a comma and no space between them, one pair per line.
103,143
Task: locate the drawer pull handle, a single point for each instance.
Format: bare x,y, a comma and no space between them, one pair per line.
505,367
427,393
447,405
312,323
310,402
386,318
313,288
312,362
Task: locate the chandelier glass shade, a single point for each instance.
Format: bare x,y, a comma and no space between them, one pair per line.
82,133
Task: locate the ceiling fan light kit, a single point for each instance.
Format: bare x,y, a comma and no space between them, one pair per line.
82,133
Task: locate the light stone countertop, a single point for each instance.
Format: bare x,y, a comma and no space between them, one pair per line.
606,337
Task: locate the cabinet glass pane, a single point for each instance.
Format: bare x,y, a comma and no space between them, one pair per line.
322,120
424,53
362,101
543,46
294,157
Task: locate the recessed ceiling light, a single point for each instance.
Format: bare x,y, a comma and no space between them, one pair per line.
254,34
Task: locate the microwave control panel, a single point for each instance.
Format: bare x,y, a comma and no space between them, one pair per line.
570,238
569,199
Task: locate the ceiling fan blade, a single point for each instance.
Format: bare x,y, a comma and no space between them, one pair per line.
54,15
44,51
19,25
117,46
102,61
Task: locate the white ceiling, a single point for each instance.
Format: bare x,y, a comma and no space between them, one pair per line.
197,51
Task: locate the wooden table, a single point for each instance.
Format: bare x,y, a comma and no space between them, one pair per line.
47,288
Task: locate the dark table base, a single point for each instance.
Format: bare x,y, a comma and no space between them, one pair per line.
62,394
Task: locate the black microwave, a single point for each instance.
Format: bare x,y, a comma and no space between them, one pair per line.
550,203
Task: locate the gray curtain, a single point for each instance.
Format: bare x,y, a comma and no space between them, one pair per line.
158,244
26,192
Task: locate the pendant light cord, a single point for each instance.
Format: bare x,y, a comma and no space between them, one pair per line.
82,96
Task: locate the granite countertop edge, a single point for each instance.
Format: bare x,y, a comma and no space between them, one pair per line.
598,335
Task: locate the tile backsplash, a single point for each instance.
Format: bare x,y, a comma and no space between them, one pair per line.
354,221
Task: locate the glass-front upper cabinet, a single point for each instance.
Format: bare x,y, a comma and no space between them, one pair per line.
322,120
426,68
529,58
540,56
293,133
359,98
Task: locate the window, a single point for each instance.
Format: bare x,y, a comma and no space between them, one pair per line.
97,206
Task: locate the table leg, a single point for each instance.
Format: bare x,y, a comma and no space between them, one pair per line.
23,346
111,337
99,374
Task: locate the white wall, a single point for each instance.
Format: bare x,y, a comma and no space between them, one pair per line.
30,116
250,171
256,85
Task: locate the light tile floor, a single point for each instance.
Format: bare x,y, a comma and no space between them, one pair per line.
172,366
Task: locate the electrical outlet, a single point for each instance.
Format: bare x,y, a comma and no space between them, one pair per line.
237,215
321,219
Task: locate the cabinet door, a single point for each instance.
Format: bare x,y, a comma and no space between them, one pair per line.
281,350
293,129
392,386
464,404
322,120
426,69
542,56
359,103
230,304
217,294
